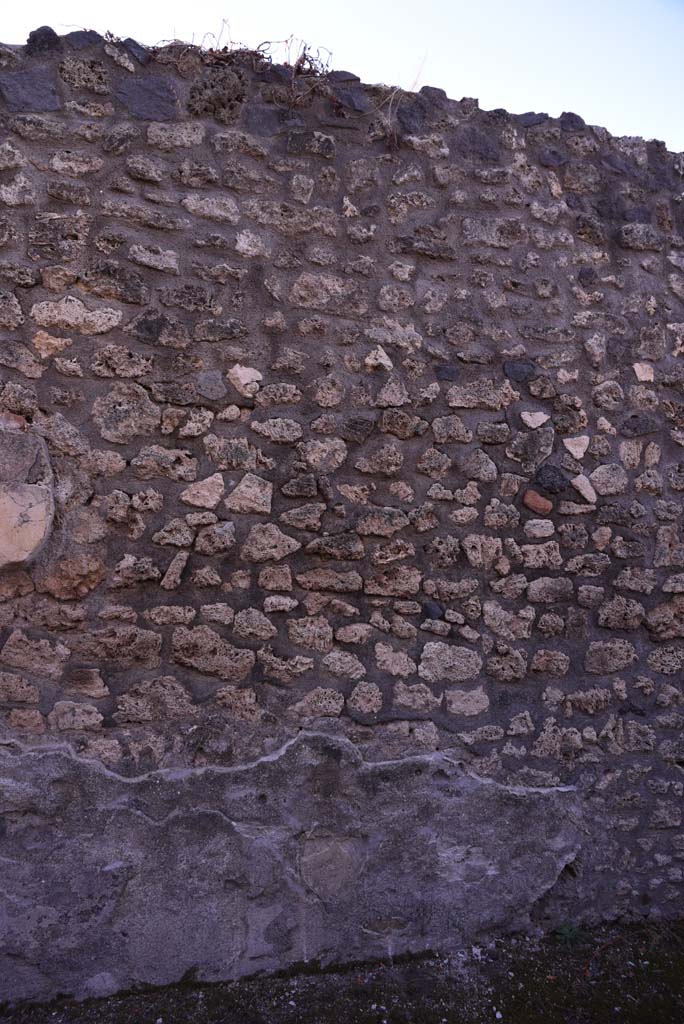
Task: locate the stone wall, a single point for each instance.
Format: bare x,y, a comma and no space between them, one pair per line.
342,587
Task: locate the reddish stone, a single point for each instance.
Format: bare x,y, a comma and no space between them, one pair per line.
542,506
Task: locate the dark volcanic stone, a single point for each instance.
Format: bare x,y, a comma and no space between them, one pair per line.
550,157
640,423
446,372
615,163
138,52
42,40
33,90
335,77
353,99
434,95
210,385
551,479
150,99
356,429
413,114
82,39
258,119
571,122
587,276
520,370
319,144
432,609
471,142
530,119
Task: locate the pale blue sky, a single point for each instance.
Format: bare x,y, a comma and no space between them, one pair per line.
618,63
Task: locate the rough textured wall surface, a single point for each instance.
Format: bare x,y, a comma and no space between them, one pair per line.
342,586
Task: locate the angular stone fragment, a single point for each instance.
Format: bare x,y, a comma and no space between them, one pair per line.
442,662
508,666
507,624
531,448
324,456
609,479
642,237
292,221
541,556
215,539
204,493
481,550
203,650
31,90
252,494
344,664
151,99
252,624
266,542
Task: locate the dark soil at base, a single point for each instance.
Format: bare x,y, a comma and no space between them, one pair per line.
616,975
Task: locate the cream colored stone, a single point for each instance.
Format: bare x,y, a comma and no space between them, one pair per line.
577,446
583,486
534,419
643,371
249,244
245,380
204,493
252,494
377,359
26,512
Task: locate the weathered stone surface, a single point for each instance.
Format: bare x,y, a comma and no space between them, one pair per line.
446,663
363,890
125,412
71,314
26,508
204,493
482,394
267,543
205,651
30,90
371,426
